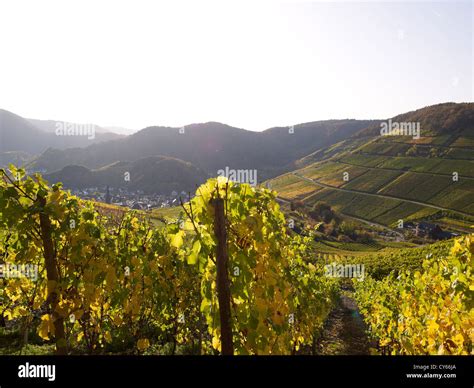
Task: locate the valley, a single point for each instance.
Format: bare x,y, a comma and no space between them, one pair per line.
386,184
331,194
276,186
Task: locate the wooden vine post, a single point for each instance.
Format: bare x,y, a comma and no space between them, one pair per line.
223,283
53,277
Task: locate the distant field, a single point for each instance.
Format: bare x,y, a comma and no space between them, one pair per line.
336,179
386,148
410,163
423,213
316,195
415,164
458,195
355,246
107,208
156,216
332,173
372,180
417,187
363,160
461,225
466,139
462,167
353,249
321,169
290,186
402,211
170,212
381,263
354,204
461,153
435,140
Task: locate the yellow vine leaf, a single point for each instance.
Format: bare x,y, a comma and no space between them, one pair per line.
216,344
46,327
143,343
177,239
108,337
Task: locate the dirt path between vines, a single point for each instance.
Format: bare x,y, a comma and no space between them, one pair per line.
344,332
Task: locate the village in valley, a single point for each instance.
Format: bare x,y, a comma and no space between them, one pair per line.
133,199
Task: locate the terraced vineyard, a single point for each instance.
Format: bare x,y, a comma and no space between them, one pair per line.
373,180
380,264
387,178
292,186
418,187
355,204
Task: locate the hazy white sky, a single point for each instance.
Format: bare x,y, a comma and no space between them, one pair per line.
251,64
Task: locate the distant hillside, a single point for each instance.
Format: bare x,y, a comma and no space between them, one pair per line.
387,178
18,134
50,125
119,130
157,174
35,136
106,133
211,146
441,120
18,158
